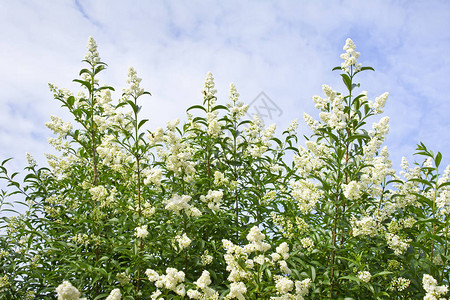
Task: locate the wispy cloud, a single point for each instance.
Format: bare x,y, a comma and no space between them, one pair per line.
85,15
285,49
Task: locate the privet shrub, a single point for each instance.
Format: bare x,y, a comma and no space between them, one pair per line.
220,208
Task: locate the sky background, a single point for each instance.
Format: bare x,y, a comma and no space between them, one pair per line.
285,49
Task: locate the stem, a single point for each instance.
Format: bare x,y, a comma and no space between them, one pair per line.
434,212
346,179
138,166
94,160
185,249
333,253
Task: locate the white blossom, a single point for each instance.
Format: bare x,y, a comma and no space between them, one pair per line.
365,226
283,284
352,190
183,241
396,243
152,175
237,290
134,89
213,199
66,291
92,55
350,56
307,243
141,232
364,276
114,295
433,290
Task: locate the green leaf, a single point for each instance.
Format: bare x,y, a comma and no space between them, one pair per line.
84,83
347,81
83,71
438,159
219,107
367,68
382,274
142,122
350,277
197,107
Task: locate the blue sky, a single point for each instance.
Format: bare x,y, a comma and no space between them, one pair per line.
285,49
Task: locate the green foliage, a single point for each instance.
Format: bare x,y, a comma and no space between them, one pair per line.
213,208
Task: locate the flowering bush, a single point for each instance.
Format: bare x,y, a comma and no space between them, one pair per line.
214,209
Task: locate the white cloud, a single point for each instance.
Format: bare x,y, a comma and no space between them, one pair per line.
285,49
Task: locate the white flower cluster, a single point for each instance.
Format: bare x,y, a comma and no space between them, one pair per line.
434,292
213,199
292,128
313,124
173,280
101,122
152,175
443,195
240,273
219,178
366,226
332,108
309,160
286,226
134,89
183,241
396,243
257,138
208,89
30,160
141,232
405,190
98,193
206,258
379,103
284,286
235,253
156,136
399,284
306,194
372,177
237,109
350,56
214,127
237,290
147,210
58,126
178,204
203,290
307,243
66,291
269,196
114,295
396,226
60,166
377,136
178,156
112,154
364,276
92,55
352,190
256,237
